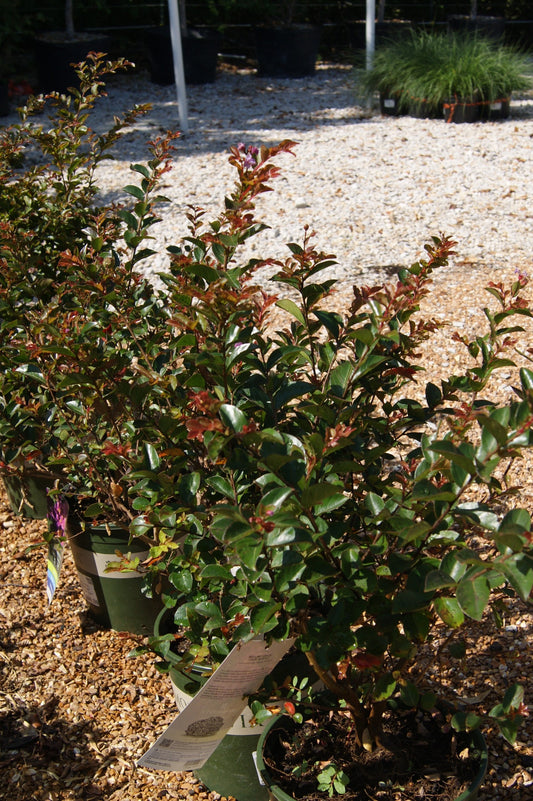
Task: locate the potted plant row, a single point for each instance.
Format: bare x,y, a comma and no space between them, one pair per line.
287,480
461,77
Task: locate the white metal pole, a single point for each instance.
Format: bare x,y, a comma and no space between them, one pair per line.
179,72
370,32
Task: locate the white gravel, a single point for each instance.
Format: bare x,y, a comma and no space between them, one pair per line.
374,188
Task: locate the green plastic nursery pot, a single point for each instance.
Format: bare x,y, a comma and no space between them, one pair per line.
115,599
230,770
27,493
275,793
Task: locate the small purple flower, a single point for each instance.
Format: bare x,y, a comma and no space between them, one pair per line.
249,162
57,515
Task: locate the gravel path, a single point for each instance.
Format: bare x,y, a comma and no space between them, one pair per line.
374,188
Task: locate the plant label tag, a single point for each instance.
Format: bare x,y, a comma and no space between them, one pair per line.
389,102
496,106
195,733
54,561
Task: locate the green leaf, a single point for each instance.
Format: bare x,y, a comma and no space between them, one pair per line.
233,417
129,218
437,579
526,379
433,395
264,618
473,593
222,486
518,569
293,390
189,485
517,521
331,321
275,498
151,455
341,377
465,721
182,580
291,307
409,601
449,611
409,694
318,493
216,572
136,191
385,687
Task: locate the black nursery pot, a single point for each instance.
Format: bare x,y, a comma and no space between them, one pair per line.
490,27
462,110
287,52
200,55
4,98
389,104
55,56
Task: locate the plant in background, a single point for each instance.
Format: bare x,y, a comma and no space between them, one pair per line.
46,209
430,68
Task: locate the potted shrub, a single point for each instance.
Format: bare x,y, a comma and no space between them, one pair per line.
40,216
468,78
69,389
477,24
12,26
333,505
200,46
286,42
57,51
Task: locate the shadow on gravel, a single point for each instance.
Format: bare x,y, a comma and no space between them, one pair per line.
42,755
238,106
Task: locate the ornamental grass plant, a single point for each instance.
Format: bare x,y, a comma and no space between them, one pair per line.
433,68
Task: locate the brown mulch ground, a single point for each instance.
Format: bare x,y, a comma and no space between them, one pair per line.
76,713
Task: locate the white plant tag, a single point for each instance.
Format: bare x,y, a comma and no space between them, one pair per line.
54,561
195,733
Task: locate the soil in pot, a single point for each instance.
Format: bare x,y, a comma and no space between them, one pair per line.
422,758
